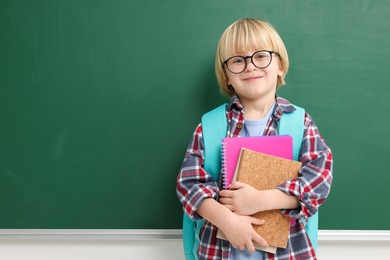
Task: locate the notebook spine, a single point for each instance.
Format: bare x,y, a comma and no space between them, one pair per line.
224,164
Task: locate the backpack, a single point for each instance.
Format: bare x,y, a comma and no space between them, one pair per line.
214,128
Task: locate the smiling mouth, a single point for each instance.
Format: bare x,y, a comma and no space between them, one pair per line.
253,78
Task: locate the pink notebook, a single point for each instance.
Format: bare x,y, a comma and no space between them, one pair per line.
276,145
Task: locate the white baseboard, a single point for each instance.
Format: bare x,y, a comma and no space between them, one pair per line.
167,234
43,244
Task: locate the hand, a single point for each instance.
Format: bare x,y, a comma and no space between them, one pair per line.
242,199
240,233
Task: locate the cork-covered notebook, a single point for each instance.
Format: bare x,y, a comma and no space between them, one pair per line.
265,172
276,145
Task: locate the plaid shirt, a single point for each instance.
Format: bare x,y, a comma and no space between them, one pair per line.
312,187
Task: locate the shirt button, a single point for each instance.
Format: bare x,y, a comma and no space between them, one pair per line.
239,126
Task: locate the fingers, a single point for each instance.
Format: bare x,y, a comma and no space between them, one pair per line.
234,186
257,221
226,201
259,240
237,185
251,247
256,237
226,193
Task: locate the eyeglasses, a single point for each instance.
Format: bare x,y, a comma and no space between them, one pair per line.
261,59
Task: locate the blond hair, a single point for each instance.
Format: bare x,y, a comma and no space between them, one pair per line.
244,35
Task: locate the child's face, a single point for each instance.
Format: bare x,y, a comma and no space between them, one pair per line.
254,83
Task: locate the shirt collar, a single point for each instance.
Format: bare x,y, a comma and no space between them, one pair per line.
282,105
235,103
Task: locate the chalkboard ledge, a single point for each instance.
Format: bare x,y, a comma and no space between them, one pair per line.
165,234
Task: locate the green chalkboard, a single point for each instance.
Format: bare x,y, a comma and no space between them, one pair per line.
98,100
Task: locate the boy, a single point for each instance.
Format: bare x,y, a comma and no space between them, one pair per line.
251,64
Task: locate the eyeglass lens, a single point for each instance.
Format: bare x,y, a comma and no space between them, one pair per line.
260,59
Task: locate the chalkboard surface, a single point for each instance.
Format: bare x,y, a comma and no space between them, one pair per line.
98,100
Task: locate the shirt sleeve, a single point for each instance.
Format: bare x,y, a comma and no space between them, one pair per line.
313,185
194,184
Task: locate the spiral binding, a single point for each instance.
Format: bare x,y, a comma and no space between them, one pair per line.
224,164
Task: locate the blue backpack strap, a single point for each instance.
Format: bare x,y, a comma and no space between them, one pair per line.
293,124
188,233
214,126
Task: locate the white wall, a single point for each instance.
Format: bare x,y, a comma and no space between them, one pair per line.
333,245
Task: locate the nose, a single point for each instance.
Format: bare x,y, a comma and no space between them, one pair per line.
249,64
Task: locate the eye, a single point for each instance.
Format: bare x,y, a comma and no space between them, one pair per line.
261,55
237,60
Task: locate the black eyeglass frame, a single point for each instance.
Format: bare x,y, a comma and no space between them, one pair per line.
251,56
